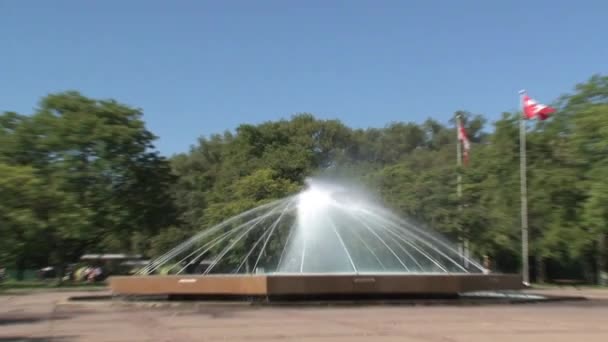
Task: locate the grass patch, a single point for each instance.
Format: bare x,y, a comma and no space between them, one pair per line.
561,286
51,284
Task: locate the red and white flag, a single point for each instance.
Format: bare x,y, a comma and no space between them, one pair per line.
464,140
533,109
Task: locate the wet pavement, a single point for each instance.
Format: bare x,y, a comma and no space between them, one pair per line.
49,316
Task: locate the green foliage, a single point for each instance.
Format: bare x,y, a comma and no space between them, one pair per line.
78,176
82,175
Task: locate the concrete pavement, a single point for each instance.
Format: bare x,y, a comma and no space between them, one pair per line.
46,316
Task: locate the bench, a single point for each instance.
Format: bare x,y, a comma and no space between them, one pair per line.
569,282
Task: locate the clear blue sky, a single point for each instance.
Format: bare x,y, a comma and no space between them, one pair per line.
201,67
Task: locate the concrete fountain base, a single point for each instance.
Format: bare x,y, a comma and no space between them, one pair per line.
283,286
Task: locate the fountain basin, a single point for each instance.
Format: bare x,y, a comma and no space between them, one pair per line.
271,286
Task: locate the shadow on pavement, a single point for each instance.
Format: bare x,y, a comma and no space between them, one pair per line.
28,319
36,339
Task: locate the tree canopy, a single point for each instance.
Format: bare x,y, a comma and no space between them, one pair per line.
82,175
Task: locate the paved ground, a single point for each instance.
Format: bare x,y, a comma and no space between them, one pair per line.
47,317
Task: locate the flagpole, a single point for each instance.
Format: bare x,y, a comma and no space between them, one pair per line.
524,196
463,242
458,158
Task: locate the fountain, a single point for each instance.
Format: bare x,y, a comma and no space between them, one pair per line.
328,240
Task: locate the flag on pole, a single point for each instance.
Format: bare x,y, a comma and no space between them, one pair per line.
533,109
464,140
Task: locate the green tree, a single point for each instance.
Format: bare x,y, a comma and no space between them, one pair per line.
98,179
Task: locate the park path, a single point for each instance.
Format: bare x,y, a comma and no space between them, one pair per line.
46,316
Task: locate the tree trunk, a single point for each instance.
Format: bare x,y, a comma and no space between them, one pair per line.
20,264
588,269
540,269
601,258
60,272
